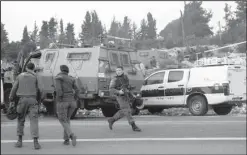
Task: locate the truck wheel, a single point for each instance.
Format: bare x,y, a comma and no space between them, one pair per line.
224,110
109,111
198,105
74,113
155,110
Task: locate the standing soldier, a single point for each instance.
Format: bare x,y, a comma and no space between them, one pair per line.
118,87
66,103
26,88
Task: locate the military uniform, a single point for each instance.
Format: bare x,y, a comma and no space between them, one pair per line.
116,85
66,103
26,88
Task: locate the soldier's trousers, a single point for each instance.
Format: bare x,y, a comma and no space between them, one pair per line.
27,105
125,110
64,113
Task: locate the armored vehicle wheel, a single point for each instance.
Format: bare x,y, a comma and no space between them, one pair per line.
155,110
109,111
222,110
197,105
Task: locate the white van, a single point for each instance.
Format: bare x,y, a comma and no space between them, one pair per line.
220,87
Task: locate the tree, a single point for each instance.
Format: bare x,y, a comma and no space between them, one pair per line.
235,29
196,20
12,50
241,11
125,29
172,32
86,34
70,34
151,26
134,28
96,25
34,36
62,38
44,35
25,36
4,39
114,29
52,29
143,33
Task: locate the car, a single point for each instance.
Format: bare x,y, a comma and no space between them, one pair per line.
219,87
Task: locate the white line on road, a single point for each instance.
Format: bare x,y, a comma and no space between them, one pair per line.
137,139
103,123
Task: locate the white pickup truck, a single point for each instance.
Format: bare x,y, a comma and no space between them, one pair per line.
220,87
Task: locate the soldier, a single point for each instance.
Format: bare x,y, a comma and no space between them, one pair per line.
26,88
66,103
117,85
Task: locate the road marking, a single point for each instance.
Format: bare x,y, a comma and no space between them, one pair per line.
136,139
103,123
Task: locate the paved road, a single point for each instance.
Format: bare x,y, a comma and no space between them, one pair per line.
160,135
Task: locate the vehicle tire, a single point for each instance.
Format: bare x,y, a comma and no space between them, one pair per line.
222,110
198,105
109,111
74,113
155,110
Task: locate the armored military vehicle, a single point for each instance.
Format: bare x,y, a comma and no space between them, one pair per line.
93,68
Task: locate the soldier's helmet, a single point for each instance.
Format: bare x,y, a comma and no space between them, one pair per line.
11,113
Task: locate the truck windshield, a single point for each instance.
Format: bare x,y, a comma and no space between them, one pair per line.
103,66
76,59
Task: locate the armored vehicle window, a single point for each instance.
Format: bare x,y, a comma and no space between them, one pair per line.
115,60
163,55
144,54
49,59
76,59
124,59
103,66
157,78
175,76
81,56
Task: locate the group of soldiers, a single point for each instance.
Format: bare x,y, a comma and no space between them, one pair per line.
29,96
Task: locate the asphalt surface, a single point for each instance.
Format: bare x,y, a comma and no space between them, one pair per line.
160,135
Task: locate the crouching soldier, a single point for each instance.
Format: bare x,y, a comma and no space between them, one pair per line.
66,103
26,89
117,87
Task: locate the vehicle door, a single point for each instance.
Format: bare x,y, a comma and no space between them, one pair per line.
153,89
47,76
175,87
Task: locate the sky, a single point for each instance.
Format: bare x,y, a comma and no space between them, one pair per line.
18,14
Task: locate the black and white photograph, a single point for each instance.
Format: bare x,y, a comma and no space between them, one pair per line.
123,77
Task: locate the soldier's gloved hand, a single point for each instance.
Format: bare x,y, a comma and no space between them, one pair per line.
121,92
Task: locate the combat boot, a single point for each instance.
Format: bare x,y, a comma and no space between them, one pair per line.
135,128
73,139
111,122
36,144
66,142
19,142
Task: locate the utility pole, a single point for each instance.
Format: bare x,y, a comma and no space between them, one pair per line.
220,32
182,24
